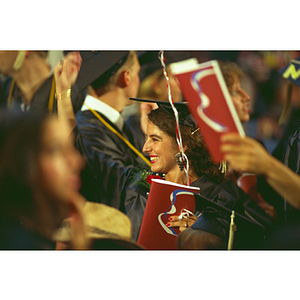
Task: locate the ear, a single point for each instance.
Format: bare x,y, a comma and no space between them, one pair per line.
185,147
125,78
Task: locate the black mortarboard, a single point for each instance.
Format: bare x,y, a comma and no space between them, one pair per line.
98,66
215,218
185,117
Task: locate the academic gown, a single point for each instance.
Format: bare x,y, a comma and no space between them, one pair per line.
292,160
228,191
227,194
40,99
109,161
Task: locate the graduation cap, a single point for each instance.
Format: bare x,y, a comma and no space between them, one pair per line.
291,72
98,66
216,218
185,117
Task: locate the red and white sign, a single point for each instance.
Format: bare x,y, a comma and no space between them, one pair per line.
165,200
204,87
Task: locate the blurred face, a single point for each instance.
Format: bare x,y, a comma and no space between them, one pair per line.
7,59
240,101
161,149
60,163
174,86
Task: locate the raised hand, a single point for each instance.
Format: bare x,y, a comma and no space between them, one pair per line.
66,71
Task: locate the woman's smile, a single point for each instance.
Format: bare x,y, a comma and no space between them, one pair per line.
153,159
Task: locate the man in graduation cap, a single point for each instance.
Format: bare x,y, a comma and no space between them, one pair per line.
108,148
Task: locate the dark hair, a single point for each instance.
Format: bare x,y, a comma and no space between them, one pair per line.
197,152
29,216
20,140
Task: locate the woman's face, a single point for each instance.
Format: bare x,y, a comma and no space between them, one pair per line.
161,149
60,164
240,101
174,87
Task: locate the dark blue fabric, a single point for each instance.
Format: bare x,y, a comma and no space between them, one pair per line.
18,237
40,99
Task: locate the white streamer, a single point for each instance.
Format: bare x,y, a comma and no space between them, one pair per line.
178,133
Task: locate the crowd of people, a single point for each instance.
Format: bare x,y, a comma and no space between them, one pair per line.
72,165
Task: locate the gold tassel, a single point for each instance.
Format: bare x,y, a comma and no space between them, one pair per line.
223,167
232,229
287,104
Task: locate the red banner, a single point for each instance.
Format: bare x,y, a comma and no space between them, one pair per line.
165,199
204,87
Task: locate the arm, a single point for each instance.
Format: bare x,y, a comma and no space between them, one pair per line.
248,155
66,73
145,109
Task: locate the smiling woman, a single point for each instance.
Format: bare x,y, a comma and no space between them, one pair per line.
155,145
161,145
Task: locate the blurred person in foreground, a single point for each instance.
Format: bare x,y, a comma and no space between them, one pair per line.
40,173
39,182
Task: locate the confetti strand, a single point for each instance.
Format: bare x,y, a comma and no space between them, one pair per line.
178,133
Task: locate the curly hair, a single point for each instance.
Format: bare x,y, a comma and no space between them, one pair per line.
230,71
197,153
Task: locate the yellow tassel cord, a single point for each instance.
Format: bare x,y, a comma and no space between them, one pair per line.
287,104
120,136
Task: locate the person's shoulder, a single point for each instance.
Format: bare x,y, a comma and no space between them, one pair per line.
204,182
87,118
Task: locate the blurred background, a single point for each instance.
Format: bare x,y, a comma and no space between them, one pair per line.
262,82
